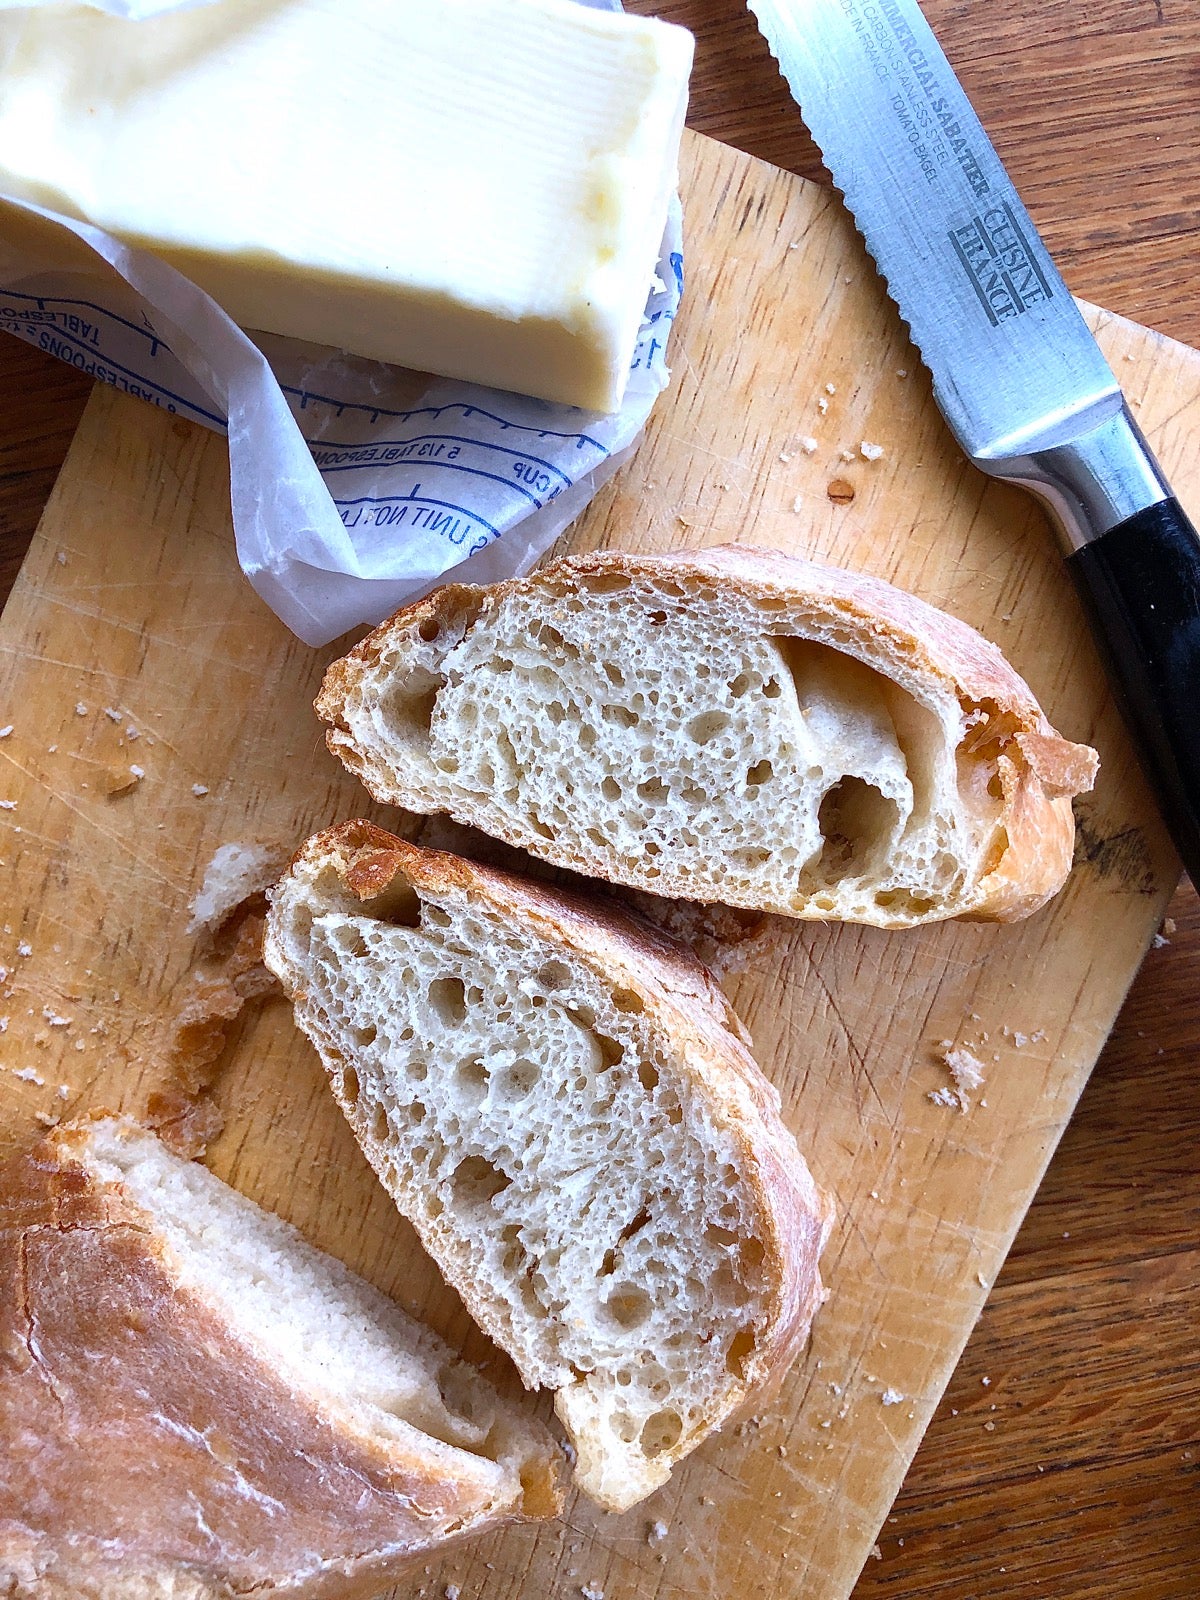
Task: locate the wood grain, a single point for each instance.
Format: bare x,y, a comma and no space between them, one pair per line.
1124,1184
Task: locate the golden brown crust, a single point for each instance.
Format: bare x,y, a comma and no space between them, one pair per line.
147,1451
1039,773
683,999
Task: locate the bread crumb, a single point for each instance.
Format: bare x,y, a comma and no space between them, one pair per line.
113,714
798,503
235,871
831,388
592,1591
131,732
986,1382
875,1553
199,790
81,709
451,1591
47,1119
1168,926
54,1019
989,1427
891,1397
1160,940
847,455
946,1098
870,452
656,1532
28,1075
4,732
822,405
902,372
808,445
8,805
24,949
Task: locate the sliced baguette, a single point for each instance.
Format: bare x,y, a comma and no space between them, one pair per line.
728,725
195,1403
560,1100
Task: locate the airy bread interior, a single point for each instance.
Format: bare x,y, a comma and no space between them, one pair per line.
328,1331
562,1161
690,737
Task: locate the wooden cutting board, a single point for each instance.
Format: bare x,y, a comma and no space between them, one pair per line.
130,615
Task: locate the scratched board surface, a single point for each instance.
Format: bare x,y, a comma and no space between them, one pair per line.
132,641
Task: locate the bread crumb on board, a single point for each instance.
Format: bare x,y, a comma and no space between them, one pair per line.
891,1397
592,1591
967,1072
656,1532
870,452
237,869
4,732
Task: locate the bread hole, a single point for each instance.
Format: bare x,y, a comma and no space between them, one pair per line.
408,708
770,602
428,629
628,1305
611,1052
753,1253
760,772
476,1182
433,1206
856,821
549,635
365,1035
654,792
598,839
349,939
634,1227
624,1377
625,1427
741,1348
554,975
614,674
608,1265
542,829
610,789
626,1000
720,1236
581,1015
416,1112
447,999
350,1086
604,582
447,764
995,786
587,738
515,1082
904,900
708,724
379,1123
741,685
471,1076
648,1076
556,713
660,1432
772,689
434,916
620,716
418,1071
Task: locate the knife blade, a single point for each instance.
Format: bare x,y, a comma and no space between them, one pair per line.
1016,372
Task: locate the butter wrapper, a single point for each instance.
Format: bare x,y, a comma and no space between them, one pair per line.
355,486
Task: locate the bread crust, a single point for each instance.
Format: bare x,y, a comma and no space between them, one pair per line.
685,1001
147,1451
1038,771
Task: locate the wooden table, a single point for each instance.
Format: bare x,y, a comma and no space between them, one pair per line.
1084,1480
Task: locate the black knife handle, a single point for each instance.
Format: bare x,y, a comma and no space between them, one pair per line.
1140,582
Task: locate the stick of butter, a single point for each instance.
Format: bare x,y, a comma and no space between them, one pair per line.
475,188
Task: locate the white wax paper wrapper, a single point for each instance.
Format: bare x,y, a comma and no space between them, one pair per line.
355,485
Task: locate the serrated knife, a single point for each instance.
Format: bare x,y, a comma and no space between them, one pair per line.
1016,372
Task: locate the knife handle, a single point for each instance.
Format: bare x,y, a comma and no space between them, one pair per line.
1140,583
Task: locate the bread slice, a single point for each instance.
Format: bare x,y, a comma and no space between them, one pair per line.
726,725
561,1102
194,1402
